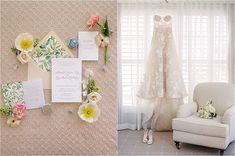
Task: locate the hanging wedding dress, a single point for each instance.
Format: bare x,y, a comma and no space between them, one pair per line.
163,81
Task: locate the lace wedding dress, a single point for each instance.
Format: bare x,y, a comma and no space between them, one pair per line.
163,81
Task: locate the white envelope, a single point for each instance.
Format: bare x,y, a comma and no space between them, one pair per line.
34,73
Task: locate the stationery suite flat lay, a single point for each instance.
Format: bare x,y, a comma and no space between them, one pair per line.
52,65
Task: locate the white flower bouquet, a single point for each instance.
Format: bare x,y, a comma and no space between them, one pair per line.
207,111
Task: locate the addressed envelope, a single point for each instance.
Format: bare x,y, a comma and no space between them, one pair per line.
34,73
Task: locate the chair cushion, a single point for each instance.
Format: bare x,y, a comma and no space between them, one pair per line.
209,127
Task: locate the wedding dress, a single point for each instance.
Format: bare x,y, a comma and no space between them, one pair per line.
163,81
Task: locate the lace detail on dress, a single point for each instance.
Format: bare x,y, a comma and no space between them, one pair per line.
163,77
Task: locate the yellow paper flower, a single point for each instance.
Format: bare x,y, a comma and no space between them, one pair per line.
13,122
24,42
94,97
89,112
24,57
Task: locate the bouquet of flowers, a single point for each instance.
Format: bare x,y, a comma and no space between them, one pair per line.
207,111
14,113
103,38
24,44
89,111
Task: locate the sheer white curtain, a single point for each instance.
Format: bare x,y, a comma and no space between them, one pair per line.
202,33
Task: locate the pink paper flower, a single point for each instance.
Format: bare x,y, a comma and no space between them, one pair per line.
94,19
19,110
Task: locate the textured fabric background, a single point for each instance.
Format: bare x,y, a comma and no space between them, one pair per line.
60,133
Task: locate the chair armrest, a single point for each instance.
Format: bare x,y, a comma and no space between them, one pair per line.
186,110
229,119
228,115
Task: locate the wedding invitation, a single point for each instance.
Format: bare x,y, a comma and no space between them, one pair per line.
88,50
66,80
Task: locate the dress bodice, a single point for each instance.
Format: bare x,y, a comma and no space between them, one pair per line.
162,21
162,31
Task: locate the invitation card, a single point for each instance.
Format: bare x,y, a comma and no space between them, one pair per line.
66,80
88,50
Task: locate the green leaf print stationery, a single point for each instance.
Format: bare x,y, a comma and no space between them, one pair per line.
48,48
12,93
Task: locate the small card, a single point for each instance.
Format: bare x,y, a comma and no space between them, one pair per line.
12,93
66,80
33,94
28,92
88,50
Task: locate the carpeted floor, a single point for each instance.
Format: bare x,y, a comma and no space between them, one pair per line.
130,143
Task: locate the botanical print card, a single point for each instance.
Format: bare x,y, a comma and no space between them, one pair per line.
12,93
28,92
88,50
49,47
33,94
66,80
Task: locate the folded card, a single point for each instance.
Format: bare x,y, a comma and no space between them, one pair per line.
28,92
66,80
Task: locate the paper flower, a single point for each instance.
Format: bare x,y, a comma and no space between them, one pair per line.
89,73
102,41
13,122
23,57
93,20
89,112
19,110
94,97
24,42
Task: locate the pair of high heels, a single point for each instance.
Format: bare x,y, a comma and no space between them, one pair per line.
148,137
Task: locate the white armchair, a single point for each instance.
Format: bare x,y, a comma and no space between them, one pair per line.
217,132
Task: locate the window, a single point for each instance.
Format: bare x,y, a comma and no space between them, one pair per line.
202,46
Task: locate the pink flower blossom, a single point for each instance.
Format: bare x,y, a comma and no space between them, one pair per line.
94,19
19,110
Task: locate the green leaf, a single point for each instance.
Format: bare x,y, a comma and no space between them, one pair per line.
105,29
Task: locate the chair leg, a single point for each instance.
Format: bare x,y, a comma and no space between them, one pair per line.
221,151
177,144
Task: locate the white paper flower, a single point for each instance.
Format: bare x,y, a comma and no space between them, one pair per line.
24,42
89,112
24,57
102,41
94,97
13,122
89,73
